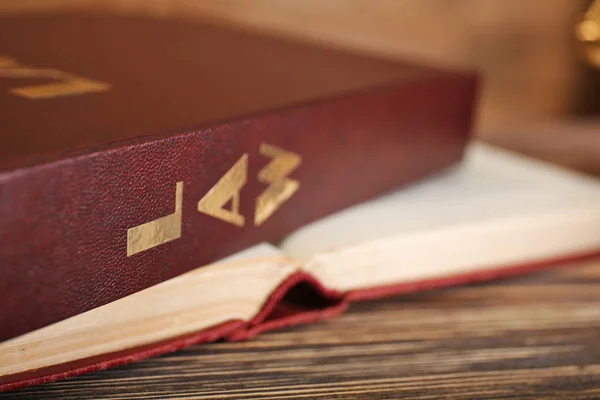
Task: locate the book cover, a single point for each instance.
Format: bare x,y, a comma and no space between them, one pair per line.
135,149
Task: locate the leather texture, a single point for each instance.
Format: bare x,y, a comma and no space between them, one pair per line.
163,75
79,171
63,236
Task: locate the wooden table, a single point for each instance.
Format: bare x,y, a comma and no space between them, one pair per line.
531,337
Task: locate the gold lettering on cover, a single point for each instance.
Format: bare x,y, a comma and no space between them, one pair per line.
159,231
68,84
275,174
226,190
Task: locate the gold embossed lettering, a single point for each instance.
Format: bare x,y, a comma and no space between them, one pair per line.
226,190
68,84
222,201
159,231
275,173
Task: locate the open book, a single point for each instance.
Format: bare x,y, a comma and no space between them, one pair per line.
495,214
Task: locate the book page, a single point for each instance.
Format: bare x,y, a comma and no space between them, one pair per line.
489,185
185,304
494,211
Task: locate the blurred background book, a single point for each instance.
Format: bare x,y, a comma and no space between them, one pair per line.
539,95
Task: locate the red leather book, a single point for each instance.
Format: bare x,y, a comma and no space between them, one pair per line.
135,149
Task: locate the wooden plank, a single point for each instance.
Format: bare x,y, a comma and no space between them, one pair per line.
530,337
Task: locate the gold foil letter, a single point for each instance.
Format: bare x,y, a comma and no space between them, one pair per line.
225,190
159,231
275,173
69,84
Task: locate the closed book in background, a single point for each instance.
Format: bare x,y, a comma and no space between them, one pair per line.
135,149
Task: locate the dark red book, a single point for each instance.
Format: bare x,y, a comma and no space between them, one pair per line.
167,182
135,149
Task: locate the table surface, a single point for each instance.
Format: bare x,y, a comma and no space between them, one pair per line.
529,337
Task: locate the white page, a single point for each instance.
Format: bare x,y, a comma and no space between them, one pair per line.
232,288
490,185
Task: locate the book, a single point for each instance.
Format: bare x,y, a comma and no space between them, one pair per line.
495,214
135,149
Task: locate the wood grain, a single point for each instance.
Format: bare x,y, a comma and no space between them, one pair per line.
531,337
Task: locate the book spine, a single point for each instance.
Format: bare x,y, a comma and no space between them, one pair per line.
87,230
